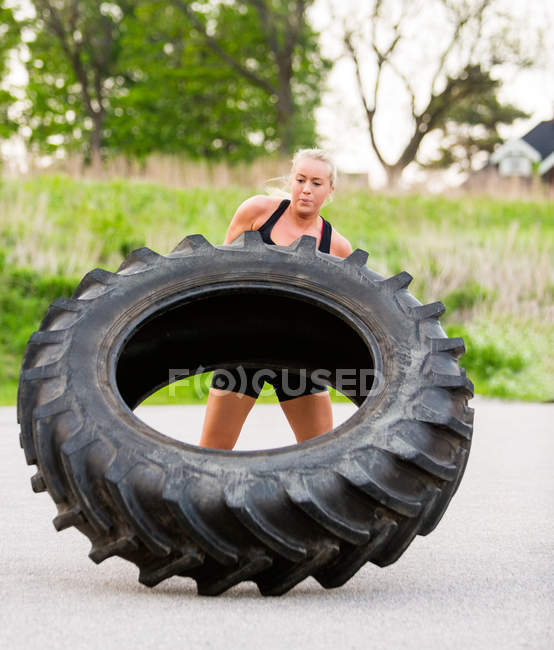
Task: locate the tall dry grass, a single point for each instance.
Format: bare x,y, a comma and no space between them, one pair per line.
174,171
179,172
29,232
514,269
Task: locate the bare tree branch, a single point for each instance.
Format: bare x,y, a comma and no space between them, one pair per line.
374,19
369,111
408,85
431,115
460,22
477,31
383,57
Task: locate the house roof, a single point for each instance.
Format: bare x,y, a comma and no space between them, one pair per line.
541,138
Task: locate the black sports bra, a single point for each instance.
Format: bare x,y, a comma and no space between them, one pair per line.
266,228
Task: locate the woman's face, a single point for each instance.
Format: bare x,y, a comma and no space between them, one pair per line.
310,185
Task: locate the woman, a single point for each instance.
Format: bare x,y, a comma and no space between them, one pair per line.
312,181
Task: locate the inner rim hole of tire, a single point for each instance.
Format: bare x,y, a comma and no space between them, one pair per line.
255,328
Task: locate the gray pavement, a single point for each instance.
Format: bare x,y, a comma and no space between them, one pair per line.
482,579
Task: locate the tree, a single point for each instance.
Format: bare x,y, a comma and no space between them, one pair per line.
139,77
180,98
470,129
73,72
9,40
468,40
280,56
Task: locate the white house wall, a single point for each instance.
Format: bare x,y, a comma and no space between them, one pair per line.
515,166
515,148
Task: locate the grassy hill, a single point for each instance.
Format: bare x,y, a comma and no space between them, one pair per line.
489,261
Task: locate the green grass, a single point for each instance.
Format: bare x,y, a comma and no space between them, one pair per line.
490,261
510,360
24,298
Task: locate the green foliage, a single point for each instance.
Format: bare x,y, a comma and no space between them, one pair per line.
136,78
467,297
280,56
508,360
116,233
73,75
179,98
9,40
24,298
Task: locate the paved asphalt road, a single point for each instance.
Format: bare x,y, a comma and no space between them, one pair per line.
482,579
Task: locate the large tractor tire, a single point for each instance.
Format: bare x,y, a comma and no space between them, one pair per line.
359,493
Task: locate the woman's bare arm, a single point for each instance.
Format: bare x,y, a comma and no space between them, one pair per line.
340,246
247,214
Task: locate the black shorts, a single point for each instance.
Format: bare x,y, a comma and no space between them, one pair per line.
250,381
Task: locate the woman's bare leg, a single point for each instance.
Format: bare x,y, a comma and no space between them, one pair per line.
226,412
309,416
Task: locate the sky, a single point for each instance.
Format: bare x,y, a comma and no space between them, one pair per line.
340,121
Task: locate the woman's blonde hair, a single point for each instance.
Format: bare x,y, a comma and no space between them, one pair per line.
278,186
317,154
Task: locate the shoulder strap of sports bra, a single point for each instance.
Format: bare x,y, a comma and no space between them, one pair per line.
265,228
325,242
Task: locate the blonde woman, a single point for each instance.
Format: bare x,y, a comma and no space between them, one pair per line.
312,180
